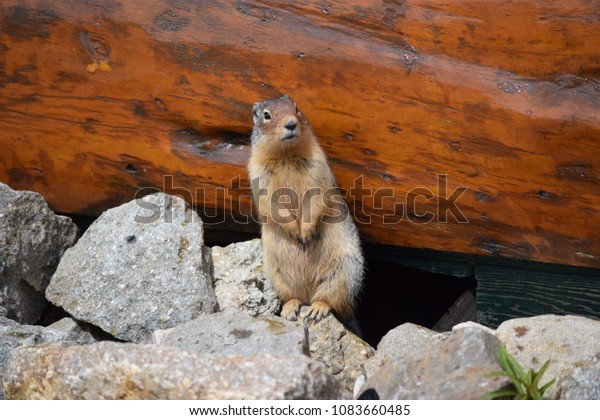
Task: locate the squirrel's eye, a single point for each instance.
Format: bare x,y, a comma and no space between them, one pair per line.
267,115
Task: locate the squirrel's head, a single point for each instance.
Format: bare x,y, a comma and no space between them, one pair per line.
278,120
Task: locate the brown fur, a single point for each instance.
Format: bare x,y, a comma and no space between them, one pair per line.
310,257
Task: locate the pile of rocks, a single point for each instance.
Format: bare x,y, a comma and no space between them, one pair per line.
412,362
182,320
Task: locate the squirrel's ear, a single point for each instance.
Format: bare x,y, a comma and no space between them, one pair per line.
301,117
255,112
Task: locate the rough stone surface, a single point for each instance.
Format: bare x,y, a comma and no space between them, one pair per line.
240,281
567,341
454,367
13,335
342,352
32,241
401,342
234,332
582,384
70,326
139,267
146,371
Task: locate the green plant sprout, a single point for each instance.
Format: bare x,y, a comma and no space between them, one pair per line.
525,383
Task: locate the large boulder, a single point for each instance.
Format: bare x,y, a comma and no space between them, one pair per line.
233,332
13,335
145,371
139,267
401,342
438,366
240,280
567,341
32,241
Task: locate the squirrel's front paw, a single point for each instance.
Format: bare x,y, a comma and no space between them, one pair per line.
291,309
317,311
307,234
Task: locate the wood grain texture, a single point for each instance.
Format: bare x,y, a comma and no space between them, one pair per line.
99,99
505,293
463,310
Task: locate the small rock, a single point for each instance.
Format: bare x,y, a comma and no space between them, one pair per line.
567,341
145,371
471,324
454,367
233,332
32,241
240,281
139,267
70,326
13,335
342,352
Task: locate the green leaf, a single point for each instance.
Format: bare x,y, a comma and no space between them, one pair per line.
501,393
548,385
540,373
502,357
508,368
535,394
498,373
525,383
517,368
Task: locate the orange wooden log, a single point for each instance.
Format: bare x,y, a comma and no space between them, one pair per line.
99,99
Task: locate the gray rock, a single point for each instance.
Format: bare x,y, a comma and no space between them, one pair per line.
32,241
582,384
454,367
145,371
402,343
139,267
342,352
234,332
13,335
240,281
567,341
70,326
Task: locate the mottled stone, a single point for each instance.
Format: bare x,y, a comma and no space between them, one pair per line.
32,241
234,332
342,352
401,342
582,384
146,371
567,341
13,335
70,326
139,267
240,280
454,367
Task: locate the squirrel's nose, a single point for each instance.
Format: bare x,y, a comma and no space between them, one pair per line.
291,125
